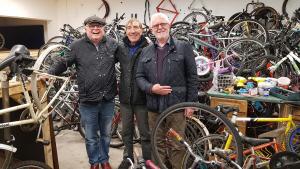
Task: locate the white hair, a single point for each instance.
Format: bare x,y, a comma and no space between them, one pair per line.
159,15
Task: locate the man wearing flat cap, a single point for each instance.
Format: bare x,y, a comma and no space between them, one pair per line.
94,58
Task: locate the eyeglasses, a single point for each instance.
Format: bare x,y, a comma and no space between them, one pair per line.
93,26
156,26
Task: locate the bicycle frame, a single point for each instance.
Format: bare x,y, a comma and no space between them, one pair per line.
235,119
36,117
292,57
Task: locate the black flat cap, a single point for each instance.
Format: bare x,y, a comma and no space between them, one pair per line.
94,19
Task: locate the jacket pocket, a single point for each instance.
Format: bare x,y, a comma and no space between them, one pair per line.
177,95
152,102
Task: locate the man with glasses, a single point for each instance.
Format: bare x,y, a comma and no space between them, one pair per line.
132,99
94,56
167,73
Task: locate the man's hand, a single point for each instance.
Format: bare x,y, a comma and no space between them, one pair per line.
188,112
161,90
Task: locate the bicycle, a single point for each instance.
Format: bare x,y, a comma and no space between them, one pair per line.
207,152
35,112
237,55
202,113
285,61
69,34
8,149
279,133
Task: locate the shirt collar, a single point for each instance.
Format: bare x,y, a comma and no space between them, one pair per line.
168,43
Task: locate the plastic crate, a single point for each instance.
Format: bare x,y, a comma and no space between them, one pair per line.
224,80
285,94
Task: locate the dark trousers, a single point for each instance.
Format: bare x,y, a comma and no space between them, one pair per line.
172,152
128,126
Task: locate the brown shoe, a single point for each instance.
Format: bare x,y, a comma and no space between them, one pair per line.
105,165
95,166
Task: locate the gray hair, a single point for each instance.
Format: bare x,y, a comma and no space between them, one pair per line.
159,15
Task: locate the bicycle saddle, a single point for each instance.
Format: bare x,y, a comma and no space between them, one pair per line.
18,58
254,141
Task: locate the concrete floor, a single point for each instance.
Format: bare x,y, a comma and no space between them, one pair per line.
72,154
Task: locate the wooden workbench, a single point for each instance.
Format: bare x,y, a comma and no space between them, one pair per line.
241,102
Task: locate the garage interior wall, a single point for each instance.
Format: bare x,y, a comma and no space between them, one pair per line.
52,14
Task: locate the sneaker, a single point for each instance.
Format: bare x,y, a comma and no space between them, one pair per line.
125,164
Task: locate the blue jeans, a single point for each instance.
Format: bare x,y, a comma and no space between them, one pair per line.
97,117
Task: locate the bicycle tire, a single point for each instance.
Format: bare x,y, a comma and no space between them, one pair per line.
30,165
281,71
57,39
237,17
241,54
38,65
248,28
178,26
283,8
202,112
292,141
268,16
45,46
2,41
194,129
6,154
192,17
116,140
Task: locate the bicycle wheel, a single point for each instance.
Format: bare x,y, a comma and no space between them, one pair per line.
195,17
45,46
215,122
292,141
248,28
241,53
238,17
194,129
57,39
6,153
202,147
50,56
30,165
280,70
268,16
116,132
2,41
